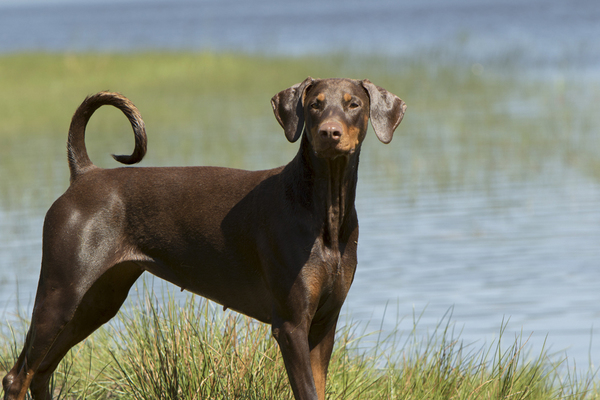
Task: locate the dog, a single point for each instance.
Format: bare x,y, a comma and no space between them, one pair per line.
277,245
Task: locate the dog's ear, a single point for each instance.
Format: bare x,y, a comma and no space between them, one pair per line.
288,106
386,112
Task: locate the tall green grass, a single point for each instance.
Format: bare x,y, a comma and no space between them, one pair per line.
163,349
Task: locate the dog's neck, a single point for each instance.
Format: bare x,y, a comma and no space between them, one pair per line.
328,189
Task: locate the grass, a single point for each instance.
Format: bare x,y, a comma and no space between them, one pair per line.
462,127
160,348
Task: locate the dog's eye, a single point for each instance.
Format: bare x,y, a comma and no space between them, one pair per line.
315,105
354,105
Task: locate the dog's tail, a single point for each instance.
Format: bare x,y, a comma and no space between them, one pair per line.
79,161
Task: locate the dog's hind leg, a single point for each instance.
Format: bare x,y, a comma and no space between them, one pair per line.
63,316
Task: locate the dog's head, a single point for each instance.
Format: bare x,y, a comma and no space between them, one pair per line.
336,113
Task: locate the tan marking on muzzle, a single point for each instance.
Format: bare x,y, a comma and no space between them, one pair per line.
354,133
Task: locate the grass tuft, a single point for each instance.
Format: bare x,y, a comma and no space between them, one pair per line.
159,348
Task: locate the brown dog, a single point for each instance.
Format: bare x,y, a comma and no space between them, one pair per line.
277,245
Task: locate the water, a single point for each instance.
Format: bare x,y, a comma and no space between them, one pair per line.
524,251
541,32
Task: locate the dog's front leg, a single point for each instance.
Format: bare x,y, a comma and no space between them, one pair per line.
292,338
321,340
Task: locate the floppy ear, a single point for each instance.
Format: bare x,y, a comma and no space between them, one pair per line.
288,106
386,111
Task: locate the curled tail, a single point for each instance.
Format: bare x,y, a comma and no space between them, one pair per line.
79,161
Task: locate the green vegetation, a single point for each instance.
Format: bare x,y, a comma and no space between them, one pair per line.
464,125
163,349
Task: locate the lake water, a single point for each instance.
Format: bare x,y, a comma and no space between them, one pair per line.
541,32
523,251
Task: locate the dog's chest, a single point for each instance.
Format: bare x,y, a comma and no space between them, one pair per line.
335,267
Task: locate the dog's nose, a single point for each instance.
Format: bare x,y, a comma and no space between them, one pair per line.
331,130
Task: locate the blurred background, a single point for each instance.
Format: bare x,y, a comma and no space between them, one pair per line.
483,212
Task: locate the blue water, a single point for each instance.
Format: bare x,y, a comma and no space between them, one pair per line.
527,252
540,32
